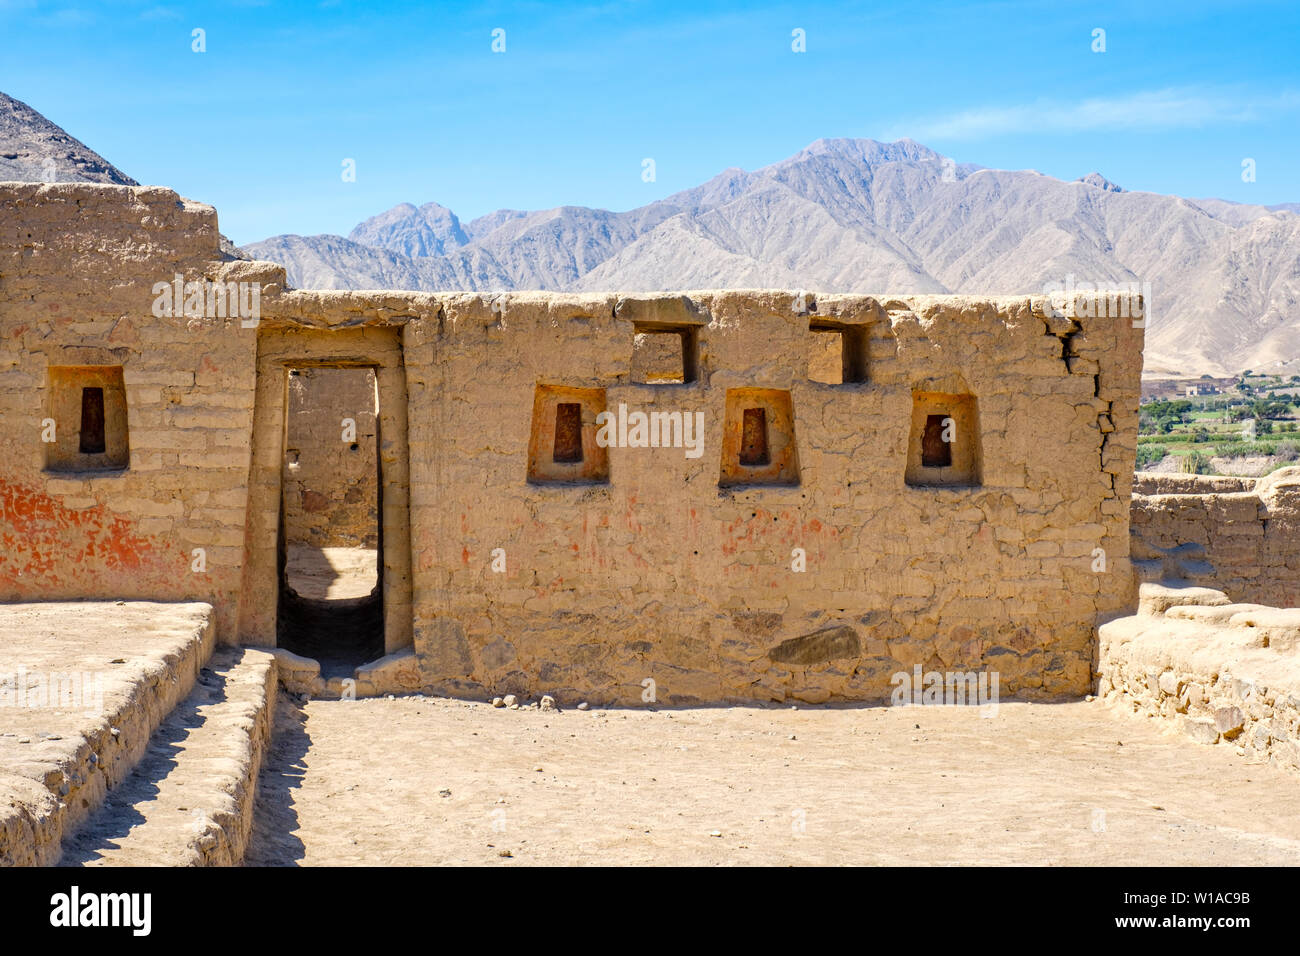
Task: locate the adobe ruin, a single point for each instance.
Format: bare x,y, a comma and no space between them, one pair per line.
840,540
674,498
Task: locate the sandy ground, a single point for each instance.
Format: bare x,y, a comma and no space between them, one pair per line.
431,781
328,574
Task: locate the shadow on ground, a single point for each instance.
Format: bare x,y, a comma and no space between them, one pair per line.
274,840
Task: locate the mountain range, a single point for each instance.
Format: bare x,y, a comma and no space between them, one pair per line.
842,215
856,215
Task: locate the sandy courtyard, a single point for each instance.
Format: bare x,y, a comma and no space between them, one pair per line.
432,781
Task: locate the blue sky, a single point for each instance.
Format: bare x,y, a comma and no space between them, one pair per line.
259,125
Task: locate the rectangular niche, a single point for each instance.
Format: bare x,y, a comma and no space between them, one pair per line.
758,442
839,353
944,444
562,446
87,404
664,355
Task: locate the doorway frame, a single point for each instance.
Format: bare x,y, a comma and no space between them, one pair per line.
278,350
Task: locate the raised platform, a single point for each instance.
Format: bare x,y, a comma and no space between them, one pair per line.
1216,670
85,685
83,688
190,801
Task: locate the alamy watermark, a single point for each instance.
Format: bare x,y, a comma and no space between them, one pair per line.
1077,300
948,689
651,430
67,690
208,299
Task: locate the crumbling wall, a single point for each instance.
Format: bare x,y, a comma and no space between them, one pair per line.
793,544
79,269
1160,483
1216,671
1244,541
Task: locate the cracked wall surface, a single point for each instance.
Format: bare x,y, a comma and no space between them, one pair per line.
817,590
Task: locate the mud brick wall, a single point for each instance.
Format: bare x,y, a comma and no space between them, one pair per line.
1241,542
660,574
78,263
814,569
331,485
1159,483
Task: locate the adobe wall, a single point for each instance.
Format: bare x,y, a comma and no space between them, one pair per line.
331,482
1240,531
659,574
631,564
78,263
1217,671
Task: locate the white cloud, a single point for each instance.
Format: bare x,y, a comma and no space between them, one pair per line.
1152,109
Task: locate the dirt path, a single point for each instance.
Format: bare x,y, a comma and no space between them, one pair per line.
425,781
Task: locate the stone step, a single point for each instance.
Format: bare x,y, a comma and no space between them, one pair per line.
84,686
189,802
1154,598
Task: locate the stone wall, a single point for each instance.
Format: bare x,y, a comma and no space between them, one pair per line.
1238,534
1222,673
1159,483
805,539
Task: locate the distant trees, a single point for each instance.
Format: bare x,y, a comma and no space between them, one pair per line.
1263,409
1148,455
1163,416
1178,409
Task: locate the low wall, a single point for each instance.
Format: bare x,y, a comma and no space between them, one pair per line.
1245,529
1158,483
1217,671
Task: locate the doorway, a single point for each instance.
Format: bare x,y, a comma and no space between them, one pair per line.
330,570
375,351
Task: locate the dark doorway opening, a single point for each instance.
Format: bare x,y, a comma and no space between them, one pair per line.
330,604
